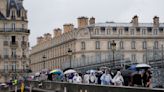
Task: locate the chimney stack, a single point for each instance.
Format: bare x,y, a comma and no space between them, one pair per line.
82,22
68,27
40,40
92,21
57,32
47,37
135,21
156,21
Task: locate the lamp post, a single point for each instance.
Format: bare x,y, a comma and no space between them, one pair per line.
44,61
70,54
113,45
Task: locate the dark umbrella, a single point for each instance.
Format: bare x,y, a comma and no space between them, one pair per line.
127,72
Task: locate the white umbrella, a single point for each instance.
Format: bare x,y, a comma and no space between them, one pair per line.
69,71
143,66
37,73
91,71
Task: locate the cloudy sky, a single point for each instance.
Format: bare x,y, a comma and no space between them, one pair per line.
45,15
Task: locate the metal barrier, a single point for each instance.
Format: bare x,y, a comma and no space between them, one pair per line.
69,87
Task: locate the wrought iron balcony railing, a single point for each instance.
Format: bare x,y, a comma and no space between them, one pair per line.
6,30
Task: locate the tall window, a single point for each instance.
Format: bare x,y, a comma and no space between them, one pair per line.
120,31
155,32
13,26
133,57
5,67
22,26
121,45
83,45
13,53
108,31
13,14
5,53
156,44
143,32
5,26
144,44
97,44
83,59
132,31
133,45
109,44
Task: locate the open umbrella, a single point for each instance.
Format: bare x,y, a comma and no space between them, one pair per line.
132,67
69,71
143,66
56,71
37,73
91,71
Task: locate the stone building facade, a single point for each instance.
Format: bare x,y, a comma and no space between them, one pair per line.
90,44
14,45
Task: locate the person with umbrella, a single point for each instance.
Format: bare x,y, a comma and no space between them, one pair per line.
146,78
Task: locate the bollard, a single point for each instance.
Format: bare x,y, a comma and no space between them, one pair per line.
15,88
30,88
81,90
65,89
86,91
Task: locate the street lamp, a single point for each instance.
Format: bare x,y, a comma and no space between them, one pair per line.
44,61
70,54
113,45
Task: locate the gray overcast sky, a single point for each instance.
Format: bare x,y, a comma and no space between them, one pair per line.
45,15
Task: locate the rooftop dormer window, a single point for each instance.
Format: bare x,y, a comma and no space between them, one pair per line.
13,14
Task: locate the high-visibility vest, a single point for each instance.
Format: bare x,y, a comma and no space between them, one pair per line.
22,87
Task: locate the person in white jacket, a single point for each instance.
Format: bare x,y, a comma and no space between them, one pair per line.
86,78
77,78
106,78
118,79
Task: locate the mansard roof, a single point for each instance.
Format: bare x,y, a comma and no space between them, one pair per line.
14,4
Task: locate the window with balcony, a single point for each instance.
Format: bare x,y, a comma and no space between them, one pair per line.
97,44
83,45
133,45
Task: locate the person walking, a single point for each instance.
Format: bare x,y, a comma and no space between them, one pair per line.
106,78
118,79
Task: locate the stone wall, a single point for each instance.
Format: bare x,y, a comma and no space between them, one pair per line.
67,87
